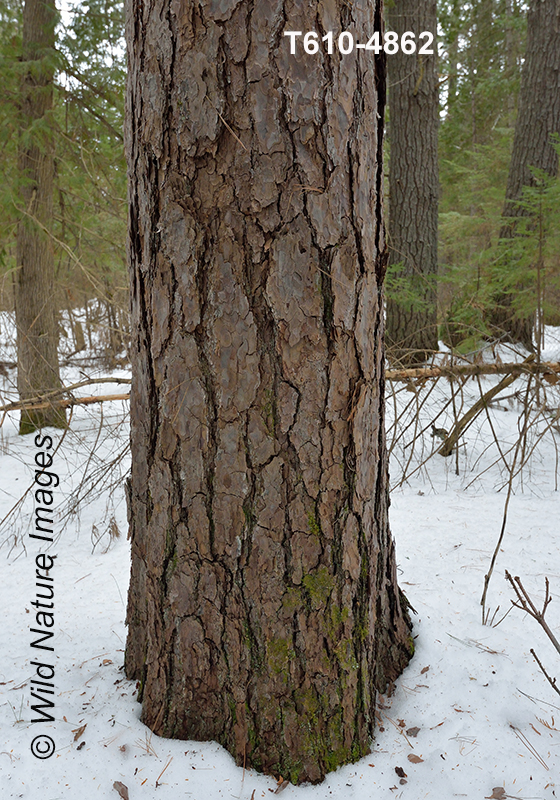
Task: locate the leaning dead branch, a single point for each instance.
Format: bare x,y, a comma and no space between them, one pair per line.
453,437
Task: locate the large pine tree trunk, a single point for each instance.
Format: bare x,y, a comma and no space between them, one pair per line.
538,119
35,304
263,608
413,187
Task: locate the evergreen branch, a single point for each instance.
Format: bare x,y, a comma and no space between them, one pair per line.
98,116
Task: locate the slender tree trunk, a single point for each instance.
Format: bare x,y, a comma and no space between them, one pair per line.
511,60
453,72
263,608
538,119
413,187
35,305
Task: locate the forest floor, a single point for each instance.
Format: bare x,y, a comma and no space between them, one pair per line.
472,716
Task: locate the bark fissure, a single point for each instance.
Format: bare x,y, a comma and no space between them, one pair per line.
252,613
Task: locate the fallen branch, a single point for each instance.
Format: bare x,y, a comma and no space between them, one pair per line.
526,367
49,396
65,402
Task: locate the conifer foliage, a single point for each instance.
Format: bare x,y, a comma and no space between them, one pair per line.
490,286
534,162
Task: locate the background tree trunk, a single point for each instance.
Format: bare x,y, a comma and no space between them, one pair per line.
413,187
538,118
35,303
511,59
263,606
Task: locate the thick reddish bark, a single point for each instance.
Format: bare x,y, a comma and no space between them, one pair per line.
263,607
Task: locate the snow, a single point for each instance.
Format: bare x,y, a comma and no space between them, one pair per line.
487,717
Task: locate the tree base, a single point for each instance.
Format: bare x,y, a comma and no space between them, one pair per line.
511,328
31,421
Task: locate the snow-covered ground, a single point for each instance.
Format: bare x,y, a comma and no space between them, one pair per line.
472,716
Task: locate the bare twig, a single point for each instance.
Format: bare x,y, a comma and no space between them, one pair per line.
518,446
526,604
17,506
552,681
